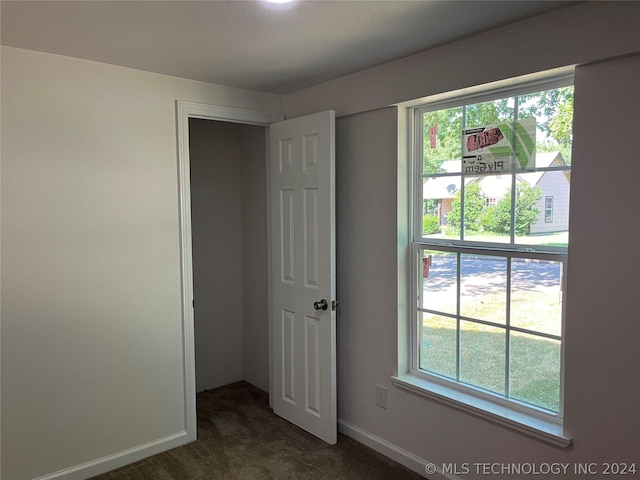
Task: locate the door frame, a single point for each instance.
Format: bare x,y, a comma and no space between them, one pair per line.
185,111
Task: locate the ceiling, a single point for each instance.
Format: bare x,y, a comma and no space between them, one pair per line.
252,44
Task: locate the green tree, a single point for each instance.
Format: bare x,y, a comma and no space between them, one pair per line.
552,109
448,145
474,206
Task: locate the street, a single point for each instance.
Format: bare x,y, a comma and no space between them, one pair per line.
486,274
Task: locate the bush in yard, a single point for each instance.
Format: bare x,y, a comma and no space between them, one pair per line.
430,224
497,218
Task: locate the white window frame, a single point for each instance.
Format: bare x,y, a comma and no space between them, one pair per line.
528,419
548,208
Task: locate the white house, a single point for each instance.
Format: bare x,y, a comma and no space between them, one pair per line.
553,203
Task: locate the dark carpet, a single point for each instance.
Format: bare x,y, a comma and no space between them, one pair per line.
240,438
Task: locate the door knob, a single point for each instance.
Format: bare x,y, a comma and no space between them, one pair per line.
321,305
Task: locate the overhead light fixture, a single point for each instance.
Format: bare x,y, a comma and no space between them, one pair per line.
280,1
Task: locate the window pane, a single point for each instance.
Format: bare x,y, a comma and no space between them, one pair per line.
535,370
439,281
438,196
490,113
553,111
442,140
535,224
487,208
536,295
483,287
438,345
482,356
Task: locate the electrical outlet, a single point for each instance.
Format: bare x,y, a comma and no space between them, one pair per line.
381,396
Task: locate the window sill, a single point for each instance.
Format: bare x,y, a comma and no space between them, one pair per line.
540,429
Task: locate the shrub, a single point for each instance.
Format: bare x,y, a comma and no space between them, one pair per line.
497,218
430,224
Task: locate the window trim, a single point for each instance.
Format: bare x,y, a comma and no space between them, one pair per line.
527,419
548,431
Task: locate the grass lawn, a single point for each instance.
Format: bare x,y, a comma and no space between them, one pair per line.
534,370
560,239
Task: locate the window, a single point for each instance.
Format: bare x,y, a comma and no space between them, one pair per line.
548,209
487,280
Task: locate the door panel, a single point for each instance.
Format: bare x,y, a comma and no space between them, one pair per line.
303,272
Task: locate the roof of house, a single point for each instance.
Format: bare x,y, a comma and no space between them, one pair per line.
493,186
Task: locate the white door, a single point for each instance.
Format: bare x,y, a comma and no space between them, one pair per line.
303,349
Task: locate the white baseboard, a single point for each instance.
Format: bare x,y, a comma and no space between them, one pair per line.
388,449
117,460
111,462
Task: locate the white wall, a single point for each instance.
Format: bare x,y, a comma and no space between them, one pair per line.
229,231
216,230
254,257
602,390
366,273
91,320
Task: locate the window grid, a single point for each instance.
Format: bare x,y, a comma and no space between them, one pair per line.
459,247
507,327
